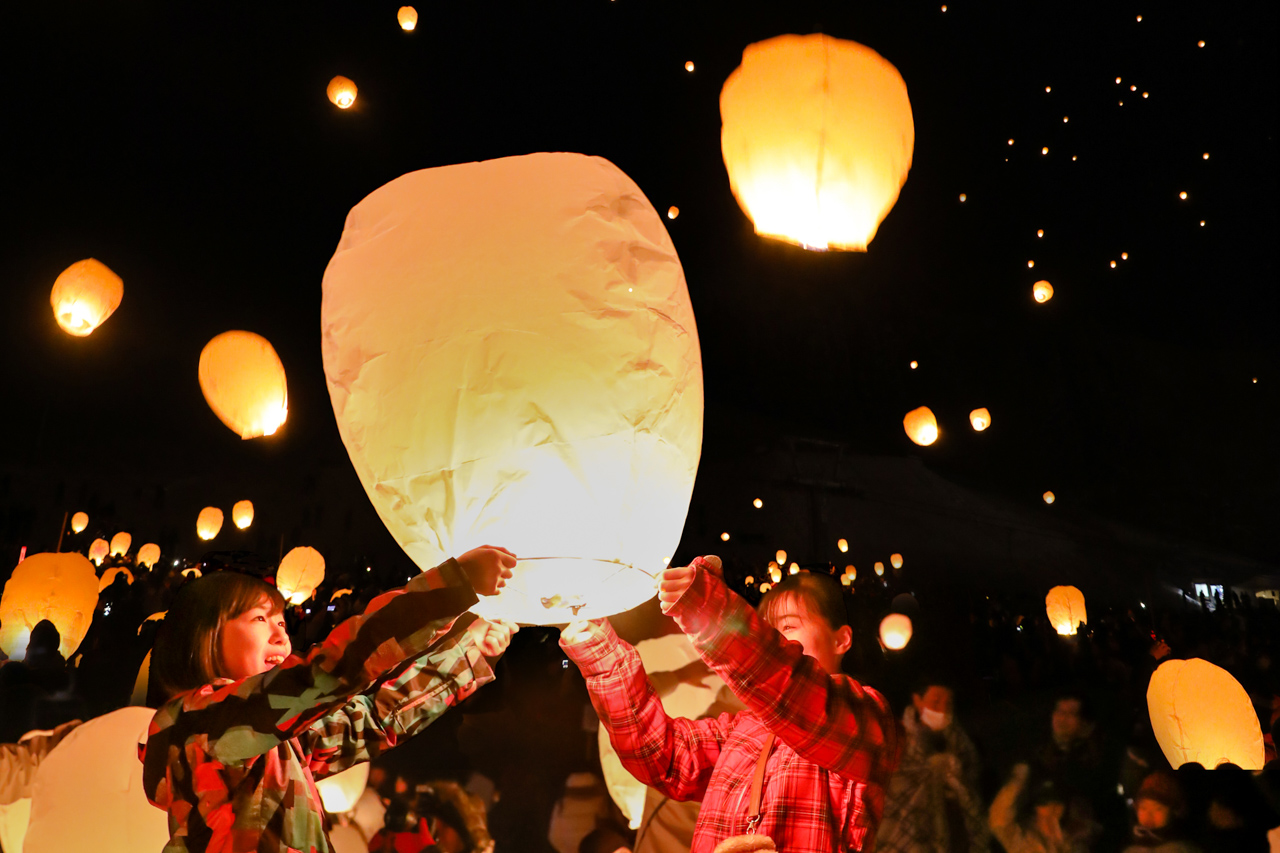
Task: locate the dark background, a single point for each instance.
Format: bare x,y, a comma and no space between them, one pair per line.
191,148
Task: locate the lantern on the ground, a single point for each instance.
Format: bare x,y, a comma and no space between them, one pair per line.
79,522
109,577
1065,608
895,631
99,550
62,588
242,514
88,791
895,560
980,418
1042,291
149,555
408,18
921,426
84,296
342,92
340,791
120,544
817,138
1201,714
300,572
208,522
843,545
497,333
243,382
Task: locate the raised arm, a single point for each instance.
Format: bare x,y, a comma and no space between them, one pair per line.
674,755
833,721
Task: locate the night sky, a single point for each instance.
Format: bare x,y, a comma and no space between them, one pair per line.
191,148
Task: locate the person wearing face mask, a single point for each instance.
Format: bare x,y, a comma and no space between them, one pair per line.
933,802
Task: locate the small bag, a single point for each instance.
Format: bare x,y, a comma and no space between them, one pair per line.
751,842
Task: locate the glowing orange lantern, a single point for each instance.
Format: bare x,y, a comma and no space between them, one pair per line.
408,18
339,593
780,557
895,560
757,503
191,573
921,426
895,631
843,545
724,537
342,92
84,296
99,550
1049,497
846,580
208,522
120,544
1065,608
980,418
1042,291
242,514
749,580
243,382
109,576
300,572
765,587
62,588
851,573
817,138
1201,714
879,567
79,522
673,212
495,262
775,572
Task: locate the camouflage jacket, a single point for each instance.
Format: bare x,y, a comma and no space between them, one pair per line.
234,763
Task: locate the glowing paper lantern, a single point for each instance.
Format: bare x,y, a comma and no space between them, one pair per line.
780,557
149,555
342,92
1049,497
243,382
749,580
843,545
496,333
99,550
408,18
84,296
193,572
673,212
62,588
142,682
1200,713
300,572
921,426
120,544
1042,291
154,617
208,522
340,791
724,537
1065,608
851,573
339,593
879,567
794,568
109,576
980,418
775,573
757,503
895,631
88,791
688,66
14,818
895,560
846,580
242,514
817,138
79,522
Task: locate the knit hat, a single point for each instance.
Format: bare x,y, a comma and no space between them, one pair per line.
1164,789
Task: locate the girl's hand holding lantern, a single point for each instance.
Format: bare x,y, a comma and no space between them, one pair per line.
674,580
492,638
488,568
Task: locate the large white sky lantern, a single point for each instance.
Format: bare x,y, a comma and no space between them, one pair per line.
817,138
512,359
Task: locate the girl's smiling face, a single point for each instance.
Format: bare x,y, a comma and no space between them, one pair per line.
253,642
795,621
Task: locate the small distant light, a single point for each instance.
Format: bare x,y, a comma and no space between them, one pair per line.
1040,233
688,66
1030,264
1201,223
963,197
843,545
914,365
1133,88
1010,141
724,537
757,503
1124,256
673,212
1066,119
1113,264
368,568
1122,103
1049,497
1139,17
794,568
1255,380
1205,155
1143,605
1044,150
944,8
1117,81
1046,88
175,562
1200,43
1182,195
1144,94
1073,158
666,561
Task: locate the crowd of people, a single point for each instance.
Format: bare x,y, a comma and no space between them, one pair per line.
989,731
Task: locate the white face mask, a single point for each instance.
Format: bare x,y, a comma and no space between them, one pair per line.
935,720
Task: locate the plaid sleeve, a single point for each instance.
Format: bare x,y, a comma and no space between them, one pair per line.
404,704
676,756
836,723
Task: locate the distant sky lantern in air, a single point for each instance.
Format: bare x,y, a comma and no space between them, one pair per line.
843,545
724,537
845,580
84,295
243,382
149,555
342,92
794,568
851,573
1201,714
775,573
208,522
242,514
749,580
484,354
895,560
921,426
300,572
1050,497
879,567
120,544
817,138
1042,291
408,18
914,364
99,550
895,631
757,503
192,573
109,577
79,522
688,66
781,556
62,588
673,212
1065,608
980,418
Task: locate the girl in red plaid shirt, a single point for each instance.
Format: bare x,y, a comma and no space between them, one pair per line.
836,741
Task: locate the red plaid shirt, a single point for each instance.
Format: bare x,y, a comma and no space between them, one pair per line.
837,741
